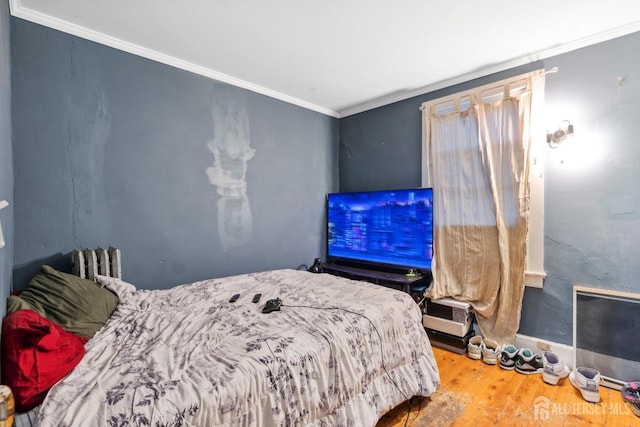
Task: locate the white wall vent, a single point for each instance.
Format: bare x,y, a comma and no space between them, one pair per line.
605,333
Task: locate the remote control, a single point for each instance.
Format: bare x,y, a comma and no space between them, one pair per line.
256,298
234,298
272,305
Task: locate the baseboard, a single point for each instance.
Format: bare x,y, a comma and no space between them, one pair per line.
539,346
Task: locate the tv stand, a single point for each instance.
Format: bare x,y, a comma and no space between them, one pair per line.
378,277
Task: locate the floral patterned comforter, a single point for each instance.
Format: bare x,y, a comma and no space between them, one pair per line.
338,353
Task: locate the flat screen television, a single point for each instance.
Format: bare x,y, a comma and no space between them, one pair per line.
391,228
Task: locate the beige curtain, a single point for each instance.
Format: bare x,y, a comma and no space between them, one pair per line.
478,166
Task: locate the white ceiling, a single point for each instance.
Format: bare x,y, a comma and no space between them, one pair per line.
339,57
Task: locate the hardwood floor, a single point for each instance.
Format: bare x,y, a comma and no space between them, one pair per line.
473,393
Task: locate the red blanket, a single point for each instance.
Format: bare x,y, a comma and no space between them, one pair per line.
36,354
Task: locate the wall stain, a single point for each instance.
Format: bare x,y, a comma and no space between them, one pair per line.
231,149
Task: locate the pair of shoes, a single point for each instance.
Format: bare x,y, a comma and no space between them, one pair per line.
487,350
508,357
587,380
631,395
527,362
554,369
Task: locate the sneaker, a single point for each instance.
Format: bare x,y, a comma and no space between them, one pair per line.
631,392
474,348
490,352
527,362
631,395
587,380
508,357
554,368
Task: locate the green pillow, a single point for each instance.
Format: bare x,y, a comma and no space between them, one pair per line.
78,305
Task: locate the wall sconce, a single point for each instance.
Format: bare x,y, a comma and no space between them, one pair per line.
564,130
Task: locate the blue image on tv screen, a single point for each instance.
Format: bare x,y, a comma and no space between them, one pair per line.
385,227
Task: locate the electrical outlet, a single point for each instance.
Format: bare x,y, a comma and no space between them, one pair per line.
543,346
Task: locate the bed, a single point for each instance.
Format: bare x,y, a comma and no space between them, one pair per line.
338,352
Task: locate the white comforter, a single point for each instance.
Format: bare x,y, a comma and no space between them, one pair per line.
338,353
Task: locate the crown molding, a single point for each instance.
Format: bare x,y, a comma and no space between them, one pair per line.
482,72
20,11
31,15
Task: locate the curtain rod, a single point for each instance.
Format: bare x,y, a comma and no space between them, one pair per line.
485,87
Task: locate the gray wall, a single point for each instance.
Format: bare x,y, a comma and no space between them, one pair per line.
592,210
114,149
6,164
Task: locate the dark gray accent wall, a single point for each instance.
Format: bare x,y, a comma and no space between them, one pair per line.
6,163
113,149
592,209
189,177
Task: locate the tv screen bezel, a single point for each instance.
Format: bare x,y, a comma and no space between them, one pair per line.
368,264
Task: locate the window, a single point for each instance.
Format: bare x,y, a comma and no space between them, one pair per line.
488,94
